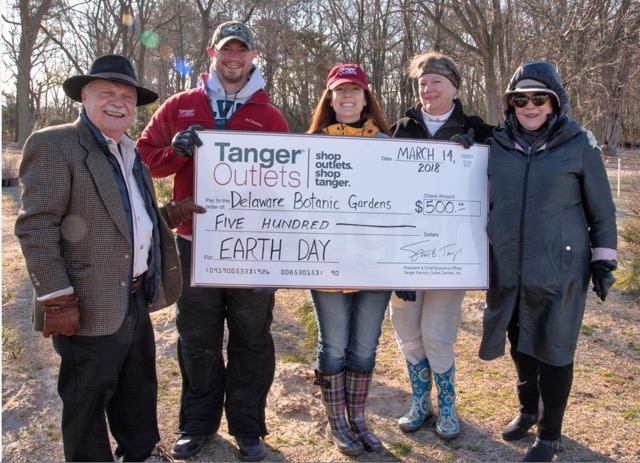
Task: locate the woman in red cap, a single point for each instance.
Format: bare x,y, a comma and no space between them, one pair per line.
349,321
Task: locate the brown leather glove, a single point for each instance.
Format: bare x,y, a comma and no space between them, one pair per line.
181,211
61,316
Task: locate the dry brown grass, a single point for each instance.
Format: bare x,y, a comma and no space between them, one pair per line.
602,422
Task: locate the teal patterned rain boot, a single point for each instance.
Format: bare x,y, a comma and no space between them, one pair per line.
420,376
447,426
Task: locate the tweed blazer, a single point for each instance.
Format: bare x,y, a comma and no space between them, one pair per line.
73,230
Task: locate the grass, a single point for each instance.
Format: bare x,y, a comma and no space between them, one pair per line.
631,413
588,329
628,273
170,374
483,404
308,321
581,369
613,377
12,343
7,297
488,375
294,358
400,449
281,441
169,366
53,432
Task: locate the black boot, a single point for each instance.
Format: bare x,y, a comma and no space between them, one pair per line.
543,450
519,426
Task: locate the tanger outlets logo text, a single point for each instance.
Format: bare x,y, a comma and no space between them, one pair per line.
256,166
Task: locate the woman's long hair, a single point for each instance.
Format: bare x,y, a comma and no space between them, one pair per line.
324,115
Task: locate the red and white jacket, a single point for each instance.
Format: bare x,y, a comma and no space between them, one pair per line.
185,109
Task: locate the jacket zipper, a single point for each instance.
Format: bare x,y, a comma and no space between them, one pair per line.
521,237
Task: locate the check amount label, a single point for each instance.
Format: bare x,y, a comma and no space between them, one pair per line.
311,211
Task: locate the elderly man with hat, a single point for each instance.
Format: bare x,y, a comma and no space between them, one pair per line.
100,256
231,97
426,322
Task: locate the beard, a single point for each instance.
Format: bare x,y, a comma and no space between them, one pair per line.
231,76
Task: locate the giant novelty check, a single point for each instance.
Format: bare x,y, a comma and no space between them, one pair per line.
314,211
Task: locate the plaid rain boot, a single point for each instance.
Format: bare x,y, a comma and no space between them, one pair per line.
420,376
333,398
447,426
357,386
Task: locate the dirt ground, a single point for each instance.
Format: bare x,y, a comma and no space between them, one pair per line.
602,422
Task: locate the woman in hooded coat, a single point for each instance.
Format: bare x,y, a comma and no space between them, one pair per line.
551,228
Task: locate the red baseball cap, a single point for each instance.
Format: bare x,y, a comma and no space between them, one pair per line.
344,73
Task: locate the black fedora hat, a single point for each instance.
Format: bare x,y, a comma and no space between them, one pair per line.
115,68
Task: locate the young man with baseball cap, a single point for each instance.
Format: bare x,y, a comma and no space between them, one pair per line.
231,97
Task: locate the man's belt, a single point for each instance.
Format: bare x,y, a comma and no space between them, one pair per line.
136,283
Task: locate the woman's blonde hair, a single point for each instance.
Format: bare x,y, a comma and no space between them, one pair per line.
433,62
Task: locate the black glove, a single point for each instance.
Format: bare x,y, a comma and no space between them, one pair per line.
407,296
265,290
465,139
184,141
602,277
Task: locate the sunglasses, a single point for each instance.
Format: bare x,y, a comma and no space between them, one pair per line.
520,101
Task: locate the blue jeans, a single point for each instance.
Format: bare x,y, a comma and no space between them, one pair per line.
349,327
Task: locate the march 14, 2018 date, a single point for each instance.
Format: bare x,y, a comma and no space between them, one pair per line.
301,272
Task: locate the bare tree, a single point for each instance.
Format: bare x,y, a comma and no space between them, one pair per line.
31,16
593,43
619,34
408,49
482,22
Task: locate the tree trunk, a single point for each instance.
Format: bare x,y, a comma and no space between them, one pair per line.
30,26
492,92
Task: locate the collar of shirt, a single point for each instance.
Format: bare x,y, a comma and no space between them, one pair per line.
441,118
434,123
124,151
